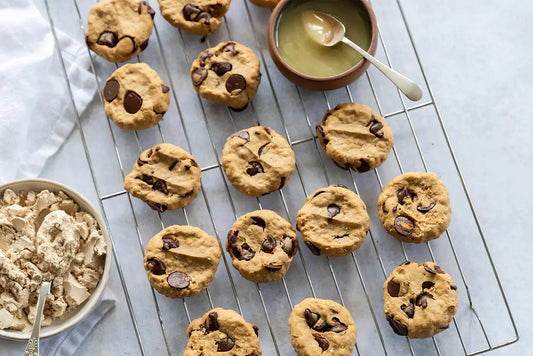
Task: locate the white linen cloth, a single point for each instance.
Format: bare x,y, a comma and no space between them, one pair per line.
36,116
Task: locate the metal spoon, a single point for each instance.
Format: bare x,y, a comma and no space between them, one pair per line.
32,349
327,30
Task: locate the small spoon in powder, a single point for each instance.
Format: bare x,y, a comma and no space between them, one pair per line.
327,30
33,343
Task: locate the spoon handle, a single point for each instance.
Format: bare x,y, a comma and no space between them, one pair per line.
406,85
32,349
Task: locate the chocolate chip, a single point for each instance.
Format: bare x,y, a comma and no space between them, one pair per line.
198,76
168,243
322,343
397,326
333,311
140,162
156,206
333,210
203,56
409,310
425,209
212,321
151,11
178,280
260,151
384,208
394,209
156,266
269,244
132,102
323,326
374,129
193,163
393,288
255,168
438,269
111,88
247,253
87,41
143,45
429,269
221,68
189,193
235,84
427,285
453,287
230,47
288,246
310,317
363,167
272,266
402,193
339,327
422,300
318,193
172,165
282,182
190,12
164,88
108,39
315,250
206,16
405,263
242,134
225,344
341,186
160,185
149,154
258,221
147,179
320,130
232,237
403,225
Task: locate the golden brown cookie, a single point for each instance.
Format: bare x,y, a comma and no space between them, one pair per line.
118,30
222,332
322,327
420,299
200,17
333,221
181,261
257,161
165,177
135,98
415,207
355,137
227,74
261,245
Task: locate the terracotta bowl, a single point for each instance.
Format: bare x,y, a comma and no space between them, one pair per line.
309,81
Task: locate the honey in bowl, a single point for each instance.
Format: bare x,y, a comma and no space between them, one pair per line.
305,55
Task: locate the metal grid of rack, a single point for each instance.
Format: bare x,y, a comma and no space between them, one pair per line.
483,321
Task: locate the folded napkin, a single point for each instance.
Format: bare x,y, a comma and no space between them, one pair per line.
36,116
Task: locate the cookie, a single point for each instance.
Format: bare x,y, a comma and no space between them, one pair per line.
261,245
222,332
415,207
355,137
165,177
265,3
420,299
333,221
118,30
200,17
227,74
322,327
135,98
181,261
257,161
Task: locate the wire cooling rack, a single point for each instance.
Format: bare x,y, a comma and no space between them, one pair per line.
483,321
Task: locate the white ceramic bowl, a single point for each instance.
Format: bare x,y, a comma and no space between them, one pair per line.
77,315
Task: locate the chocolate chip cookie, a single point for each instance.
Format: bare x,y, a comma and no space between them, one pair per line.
181,261
333,221
135,98
261,245
415,207
222,332
320,327
227,74
200,17
165,177
257,161
420,299
355,137
118,30
265,3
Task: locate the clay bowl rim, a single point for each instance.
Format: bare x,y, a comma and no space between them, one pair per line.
274,51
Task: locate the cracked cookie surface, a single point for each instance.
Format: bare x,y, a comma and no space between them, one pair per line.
261,245
227,74
322,327
164,176
181,261
135,97
355,136
420,299
200,17
118,30
415,207
257,161
222,332
333,221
